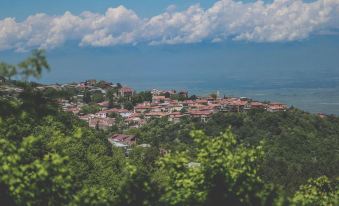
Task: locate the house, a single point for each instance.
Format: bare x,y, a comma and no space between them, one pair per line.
85,117
74,110
121,112
156,115
122,140
175,107
101,123
125,92
158,99
175,117
256,105
79,86
90,82
203,115
202,101
183,94
187,103
142,108
156,92
101,114
322,115
156,109
135,121
276,107
103,104
236,105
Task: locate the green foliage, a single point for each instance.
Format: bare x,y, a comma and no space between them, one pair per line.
141,97
110,97
40,145
91,197
7,70
320,192
90,109
128,106
138,187
222,172
43,181
214,95
161,133
97,97
34,65
87,96
178,97
193,97
298,145
48,157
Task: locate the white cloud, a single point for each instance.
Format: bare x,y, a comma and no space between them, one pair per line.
282,20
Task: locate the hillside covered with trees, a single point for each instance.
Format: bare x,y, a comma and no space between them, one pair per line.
50,157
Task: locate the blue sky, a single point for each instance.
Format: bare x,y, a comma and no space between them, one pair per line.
106,23
21,9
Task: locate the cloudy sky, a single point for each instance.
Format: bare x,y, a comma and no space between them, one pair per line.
137,41
50,24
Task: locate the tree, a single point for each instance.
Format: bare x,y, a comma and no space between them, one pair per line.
97,97
90,109
193,97
87,96
178,97
109,97
34,65
214,96
7,70
141,97
319,191
93,196
128,105
30,181
222,172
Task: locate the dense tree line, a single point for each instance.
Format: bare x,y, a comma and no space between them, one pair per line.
298,145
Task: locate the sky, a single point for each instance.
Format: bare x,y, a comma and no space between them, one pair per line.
103,23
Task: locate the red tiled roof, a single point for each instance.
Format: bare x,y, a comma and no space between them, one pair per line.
200,113
161,114
103,104
115,110
126,90
276,104
142,107
201,101
158,97
238,103
101,121
257,104
127,139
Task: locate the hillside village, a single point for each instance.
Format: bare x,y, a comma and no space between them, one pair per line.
169,104
104,105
